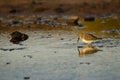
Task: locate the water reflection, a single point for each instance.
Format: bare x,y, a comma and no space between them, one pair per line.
87,50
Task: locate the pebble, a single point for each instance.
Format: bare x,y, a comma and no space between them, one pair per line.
62,39
55,51
88,63
26,78
29,56
8,63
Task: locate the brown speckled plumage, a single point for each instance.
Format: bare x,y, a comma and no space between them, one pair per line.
87,38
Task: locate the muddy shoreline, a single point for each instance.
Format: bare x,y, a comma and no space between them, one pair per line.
69,7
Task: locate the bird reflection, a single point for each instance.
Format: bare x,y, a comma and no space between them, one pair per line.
87,50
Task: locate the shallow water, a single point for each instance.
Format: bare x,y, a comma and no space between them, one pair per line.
54,58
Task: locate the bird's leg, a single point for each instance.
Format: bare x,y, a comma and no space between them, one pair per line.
79,52
78,40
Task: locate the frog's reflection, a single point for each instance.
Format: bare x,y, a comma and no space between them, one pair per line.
87,50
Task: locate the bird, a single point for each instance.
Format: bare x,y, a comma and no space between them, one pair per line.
87,38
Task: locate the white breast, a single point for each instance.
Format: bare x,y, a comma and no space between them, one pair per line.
87,41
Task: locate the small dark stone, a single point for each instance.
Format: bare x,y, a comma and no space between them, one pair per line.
87,63
109,46
42,36
3,49
11,49
29,56
26,78
62,39
16,22
49,35
89,18
29,26
8,63
81,63
13,11
59,10
39,18
35,32
100,46
55,51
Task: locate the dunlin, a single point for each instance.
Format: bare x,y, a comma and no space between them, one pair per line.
87,38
